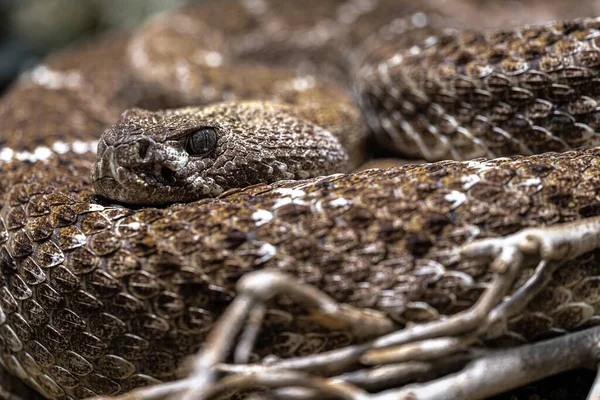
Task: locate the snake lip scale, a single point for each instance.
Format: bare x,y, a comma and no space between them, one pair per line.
192,191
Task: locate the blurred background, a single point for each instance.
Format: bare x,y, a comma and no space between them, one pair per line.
30,29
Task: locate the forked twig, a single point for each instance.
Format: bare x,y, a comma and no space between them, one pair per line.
484,376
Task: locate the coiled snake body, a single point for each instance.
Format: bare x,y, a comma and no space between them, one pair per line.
98,297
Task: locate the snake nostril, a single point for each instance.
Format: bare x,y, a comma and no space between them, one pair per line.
143,147
167,175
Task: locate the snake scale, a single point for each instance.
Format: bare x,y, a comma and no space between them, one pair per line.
98,297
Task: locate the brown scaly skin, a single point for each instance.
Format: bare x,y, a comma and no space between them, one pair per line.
99,299
489,94
457,95
144,159
132,292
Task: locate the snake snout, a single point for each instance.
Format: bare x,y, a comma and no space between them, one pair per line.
151,161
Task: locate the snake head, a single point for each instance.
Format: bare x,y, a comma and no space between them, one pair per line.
181,155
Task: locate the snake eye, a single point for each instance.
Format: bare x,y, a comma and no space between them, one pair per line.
202,141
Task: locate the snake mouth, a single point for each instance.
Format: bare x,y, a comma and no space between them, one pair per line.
112,180
132,184
109,167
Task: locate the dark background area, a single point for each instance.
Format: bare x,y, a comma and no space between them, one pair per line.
30,29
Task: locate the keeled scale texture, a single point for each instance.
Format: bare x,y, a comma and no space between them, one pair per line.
97,299
255,142
100,299
462,95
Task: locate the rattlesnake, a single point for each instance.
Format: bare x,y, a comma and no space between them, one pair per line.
98,298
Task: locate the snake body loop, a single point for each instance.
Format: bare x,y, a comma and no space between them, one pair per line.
98,297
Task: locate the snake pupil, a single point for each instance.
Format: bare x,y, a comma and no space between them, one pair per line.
202,141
